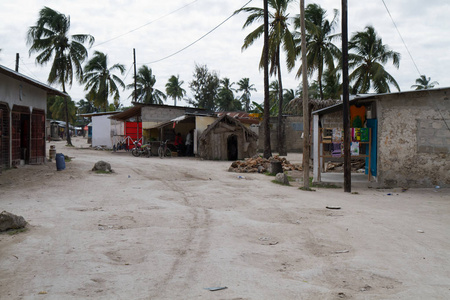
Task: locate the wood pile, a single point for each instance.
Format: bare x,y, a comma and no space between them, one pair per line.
258,164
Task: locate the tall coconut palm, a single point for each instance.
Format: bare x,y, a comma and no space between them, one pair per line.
145,91
279,36
100,80
51,40
58,108
367,61
320,50
225,97
174,89
422,83
246,88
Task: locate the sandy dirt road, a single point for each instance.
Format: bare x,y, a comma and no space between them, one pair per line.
169,228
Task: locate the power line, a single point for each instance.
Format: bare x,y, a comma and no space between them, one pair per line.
197,40
398,31
146,24
418,71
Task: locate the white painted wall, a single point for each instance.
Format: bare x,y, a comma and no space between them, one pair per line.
101,131
13,91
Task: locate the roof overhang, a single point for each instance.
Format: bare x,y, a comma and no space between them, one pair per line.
16,75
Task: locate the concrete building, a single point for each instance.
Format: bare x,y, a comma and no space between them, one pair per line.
410,136
104,129
23,105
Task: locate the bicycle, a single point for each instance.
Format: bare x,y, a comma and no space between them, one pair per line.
163,150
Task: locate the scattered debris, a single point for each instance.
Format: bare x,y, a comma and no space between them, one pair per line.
241,177
365,288
420,231
333,207
212,289
42,293
258,164
341,251
10,221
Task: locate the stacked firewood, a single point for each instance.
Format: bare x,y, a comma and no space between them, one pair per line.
258,164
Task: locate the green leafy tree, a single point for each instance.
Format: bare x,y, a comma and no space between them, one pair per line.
100,80
51,40
85,106
246,88
424,83
279,36
174,89
367,61
145,88
205,88
58,108
320,50
225,99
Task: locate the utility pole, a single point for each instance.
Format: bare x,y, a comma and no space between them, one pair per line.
345,96
135,94
266,120
306,139
17,62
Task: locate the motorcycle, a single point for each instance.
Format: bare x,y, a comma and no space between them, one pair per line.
140,149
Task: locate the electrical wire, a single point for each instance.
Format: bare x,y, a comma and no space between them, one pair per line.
146,24
415,65
197,40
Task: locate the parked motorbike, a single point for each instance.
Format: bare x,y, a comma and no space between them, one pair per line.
140,149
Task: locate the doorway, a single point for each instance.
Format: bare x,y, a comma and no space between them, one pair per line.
232,147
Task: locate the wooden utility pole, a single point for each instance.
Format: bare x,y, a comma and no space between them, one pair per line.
17,62
306,139
345,96
135,94
266,120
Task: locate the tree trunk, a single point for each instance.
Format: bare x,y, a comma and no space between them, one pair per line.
66,108
280,128
306,140
266,120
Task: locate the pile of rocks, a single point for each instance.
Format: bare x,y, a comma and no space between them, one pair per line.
261,165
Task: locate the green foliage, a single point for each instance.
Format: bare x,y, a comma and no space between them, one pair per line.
17,231
50,39
321,51
58,109
100,80
368,63
246,88
225,98
145,88
422,83
174,89
205,88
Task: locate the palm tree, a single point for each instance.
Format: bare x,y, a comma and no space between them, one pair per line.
319,42
50,38
225,97
58,111
100,80
368,63
422,83
246,88
174,89
279,35
85,106
145,91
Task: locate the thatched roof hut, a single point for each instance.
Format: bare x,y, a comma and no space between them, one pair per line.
227,139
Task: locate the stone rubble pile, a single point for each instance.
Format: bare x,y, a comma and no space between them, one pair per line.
258,164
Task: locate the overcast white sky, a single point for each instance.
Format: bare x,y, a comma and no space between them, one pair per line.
424,26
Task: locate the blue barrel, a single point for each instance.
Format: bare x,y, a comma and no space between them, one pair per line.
60,162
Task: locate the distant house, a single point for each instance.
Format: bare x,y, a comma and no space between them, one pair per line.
410,136
227,139
23,104
104,129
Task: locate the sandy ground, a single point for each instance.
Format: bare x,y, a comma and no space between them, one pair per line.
169,228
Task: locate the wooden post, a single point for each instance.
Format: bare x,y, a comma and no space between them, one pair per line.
345,95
